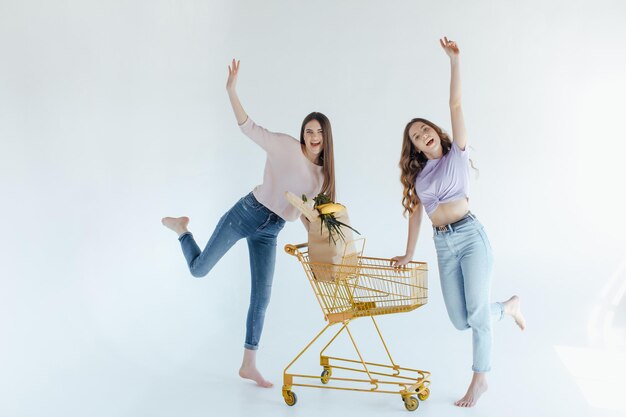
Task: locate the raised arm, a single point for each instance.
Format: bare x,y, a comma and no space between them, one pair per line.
415,222
271,142
231,87
459,134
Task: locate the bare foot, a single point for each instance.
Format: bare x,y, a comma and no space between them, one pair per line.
255,375
177,224
513,308
248,369
477,387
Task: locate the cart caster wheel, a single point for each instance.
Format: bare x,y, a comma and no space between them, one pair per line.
423,396
411,403
290,398
325,377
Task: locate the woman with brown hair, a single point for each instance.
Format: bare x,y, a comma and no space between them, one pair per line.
304,167
435,176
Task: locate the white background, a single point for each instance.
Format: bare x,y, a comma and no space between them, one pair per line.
114,114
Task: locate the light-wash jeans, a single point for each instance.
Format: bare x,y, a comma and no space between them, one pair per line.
465,264
251,220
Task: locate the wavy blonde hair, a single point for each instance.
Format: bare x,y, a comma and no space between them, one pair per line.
412,162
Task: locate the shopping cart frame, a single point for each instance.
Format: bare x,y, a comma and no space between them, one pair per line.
381,377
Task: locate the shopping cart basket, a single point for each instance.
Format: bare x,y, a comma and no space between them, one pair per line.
362,287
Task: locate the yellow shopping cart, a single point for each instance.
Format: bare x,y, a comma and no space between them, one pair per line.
361,287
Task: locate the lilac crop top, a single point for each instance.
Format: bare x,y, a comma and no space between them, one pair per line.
444,180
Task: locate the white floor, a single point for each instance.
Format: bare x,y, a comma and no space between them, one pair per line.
117,340
529,379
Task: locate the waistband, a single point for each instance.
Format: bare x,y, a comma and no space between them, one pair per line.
469,217
262,206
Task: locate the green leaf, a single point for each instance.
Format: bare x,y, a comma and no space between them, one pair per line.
321,198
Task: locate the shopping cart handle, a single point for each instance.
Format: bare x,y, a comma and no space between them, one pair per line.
293,249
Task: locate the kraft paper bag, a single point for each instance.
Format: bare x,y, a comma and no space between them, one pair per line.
329,260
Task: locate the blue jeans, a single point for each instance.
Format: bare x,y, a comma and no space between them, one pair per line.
250,219
465,264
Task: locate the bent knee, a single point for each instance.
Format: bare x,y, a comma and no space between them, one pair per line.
196,273
460,324
479,325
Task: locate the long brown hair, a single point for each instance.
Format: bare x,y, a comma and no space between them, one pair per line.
412,162
327,156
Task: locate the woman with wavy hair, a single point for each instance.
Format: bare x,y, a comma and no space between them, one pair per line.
435,176
304,167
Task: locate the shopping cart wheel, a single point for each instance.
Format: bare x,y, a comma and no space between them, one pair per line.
325,377
411,403
424,394
290,398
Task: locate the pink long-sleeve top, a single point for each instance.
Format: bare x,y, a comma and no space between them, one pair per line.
286,169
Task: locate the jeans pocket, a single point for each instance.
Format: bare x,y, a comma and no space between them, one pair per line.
272,225
265,226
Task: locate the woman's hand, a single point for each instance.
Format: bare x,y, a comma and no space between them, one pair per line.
231,87
233,70
399,261
451,48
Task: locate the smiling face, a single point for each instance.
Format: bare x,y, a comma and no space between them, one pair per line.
313,138
425,139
